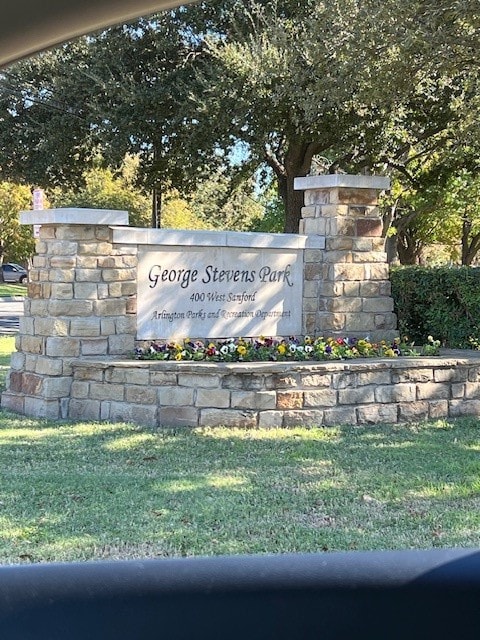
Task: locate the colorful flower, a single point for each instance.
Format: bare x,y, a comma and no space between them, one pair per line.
294,349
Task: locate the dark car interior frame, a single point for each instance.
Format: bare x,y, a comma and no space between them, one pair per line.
383,594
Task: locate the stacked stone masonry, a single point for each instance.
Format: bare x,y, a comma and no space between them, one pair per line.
79,304
250,395
347,289
80,315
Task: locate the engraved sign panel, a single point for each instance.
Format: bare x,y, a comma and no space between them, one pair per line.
219,292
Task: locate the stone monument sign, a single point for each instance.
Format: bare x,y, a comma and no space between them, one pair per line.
219,292
98,288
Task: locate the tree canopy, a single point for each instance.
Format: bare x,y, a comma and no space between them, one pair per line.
260,88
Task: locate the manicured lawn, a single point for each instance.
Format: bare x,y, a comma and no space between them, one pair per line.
89,491
8,290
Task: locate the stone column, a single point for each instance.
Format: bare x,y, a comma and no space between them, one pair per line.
347,292
79,298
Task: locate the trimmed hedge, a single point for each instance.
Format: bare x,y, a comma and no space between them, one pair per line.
440,301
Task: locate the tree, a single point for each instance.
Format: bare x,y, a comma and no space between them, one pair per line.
16,241
359,83
223,205
272,218
102,189
368,85
108,95
177,213
46,137
459,205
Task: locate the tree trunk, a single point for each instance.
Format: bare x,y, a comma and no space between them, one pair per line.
470,244
466,228
157,189
470,252
408,248
403,246
298,159
390,240
293,206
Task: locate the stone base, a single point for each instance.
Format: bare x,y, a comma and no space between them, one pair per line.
18,402
251,395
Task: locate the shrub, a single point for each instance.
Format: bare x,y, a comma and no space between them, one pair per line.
442,301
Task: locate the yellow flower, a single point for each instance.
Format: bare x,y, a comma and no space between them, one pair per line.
390,353
242,350
178,356
281,349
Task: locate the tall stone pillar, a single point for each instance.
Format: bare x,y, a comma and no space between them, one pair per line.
347,292
79,298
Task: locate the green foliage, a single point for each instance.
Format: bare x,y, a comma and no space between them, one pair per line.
437,205
372,85
461,208
273,216
224,204
46,136
16,240
177,213
441,301
102,189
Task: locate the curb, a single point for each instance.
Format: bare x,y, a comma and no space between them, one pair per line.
12,299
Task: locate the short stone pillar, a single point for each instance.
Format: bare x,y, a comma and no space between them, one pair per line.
348,292
81,302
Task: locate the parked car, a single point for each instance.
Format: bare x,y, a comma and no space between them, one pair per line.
14,273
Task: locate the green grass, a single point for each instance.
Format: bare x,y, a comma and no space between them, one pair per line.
8,290
91,491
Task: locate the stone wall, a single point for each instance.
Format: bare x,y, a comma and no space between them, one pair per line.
276,394
352,294
82,305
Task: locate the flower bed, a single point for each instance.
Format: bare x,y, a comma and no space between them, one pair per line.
283,349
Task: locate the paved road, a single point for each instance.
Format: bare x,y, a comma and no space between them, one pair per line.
10,312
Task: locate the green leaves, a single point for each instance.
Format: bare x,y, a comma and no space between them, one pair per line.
443,302
374,85
102,189
16,240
